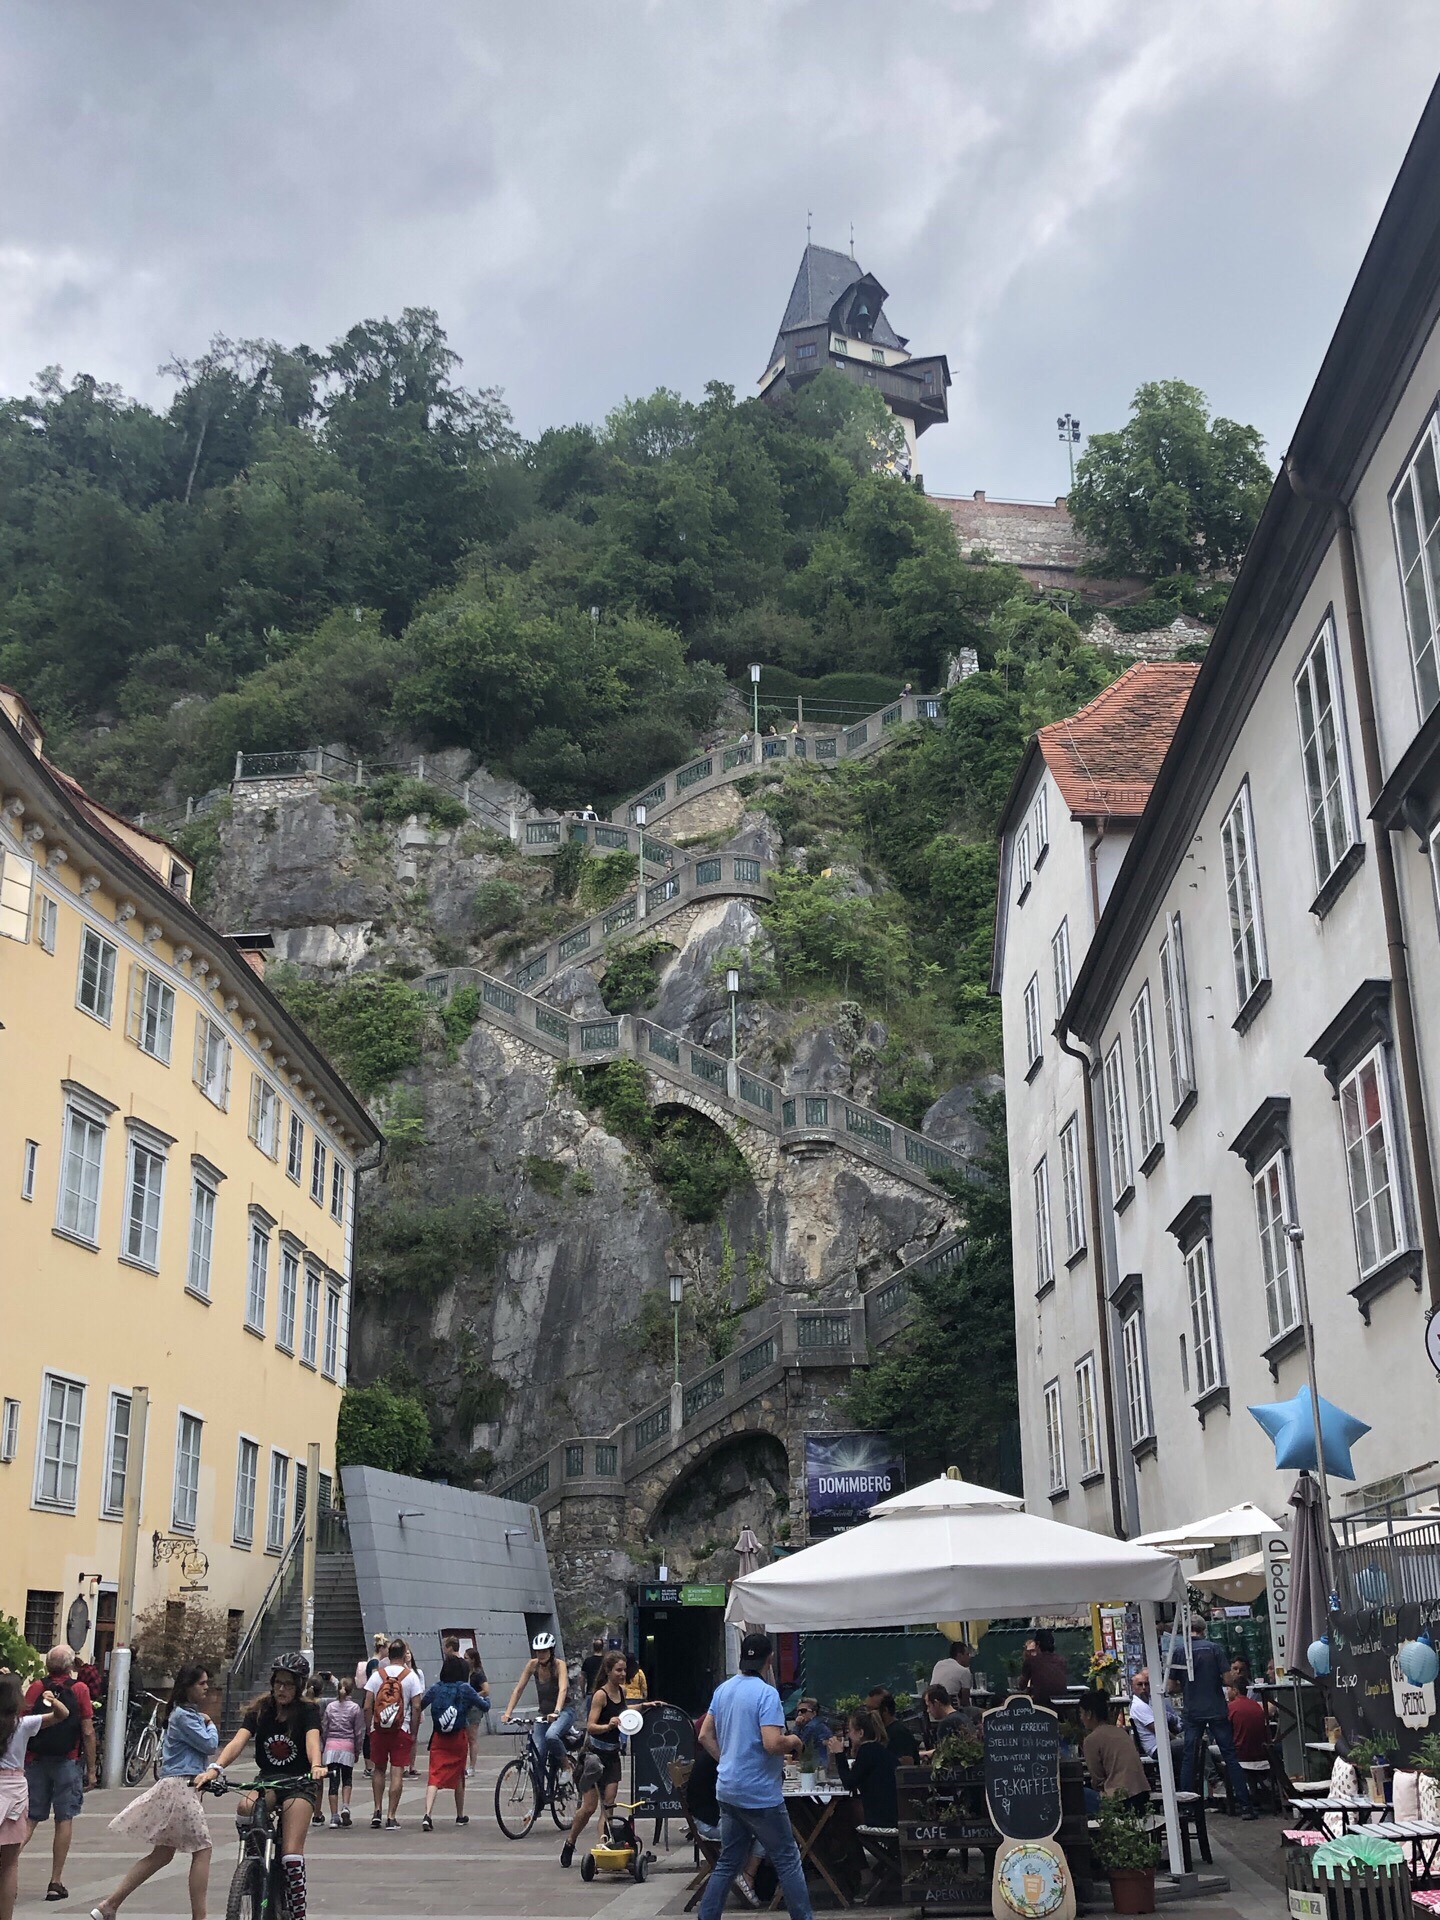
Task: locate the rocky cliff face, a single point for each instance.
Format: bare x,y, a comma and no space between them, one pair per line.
566,1330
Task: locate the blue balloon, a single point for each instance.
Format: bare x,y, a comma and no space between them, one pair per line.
1419,1662
1372,1585
1318,1654
1291,1425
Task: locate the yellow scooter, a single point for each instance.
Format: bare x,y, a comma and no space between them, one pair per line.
620,1849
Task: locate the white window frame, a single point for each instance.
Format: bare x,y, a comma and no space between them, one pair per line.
319,1160
1060,964
1376,1064
1087,1418
277,1502
1040,815
257,1277
29,1165
17,892
1329,790
339,1186
204,1199
185,1487
1044,1233
1034,1040
9,1429
1072,1189
211,1068
1117,1123
151,1020
77,1210
1022,861
102,958
287,1301
1422,607
1242,893
1147,1093
117,1456
144,1205
47,924
1207,1349
330,1334
1175,996
264,1116
66,1469
1137,1380
1054,1437
295,1148
247,1492
310,1318
1273,1214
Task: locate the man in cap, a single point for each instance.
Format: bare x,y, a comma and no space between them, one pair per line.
745,1731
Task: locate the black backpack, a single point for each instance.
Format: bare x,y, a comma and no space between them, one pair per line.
63,1739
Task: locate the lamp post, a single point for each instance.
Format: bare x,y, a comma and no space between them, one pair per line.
641,816
1067,428
677,1294
732,987
1295,1234
755,696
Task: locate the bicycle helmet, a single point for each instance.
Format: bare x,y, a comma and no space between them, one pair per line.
542,1643
293,1664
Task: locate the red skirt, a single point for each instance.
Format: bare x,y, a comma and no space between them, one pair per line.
448,1753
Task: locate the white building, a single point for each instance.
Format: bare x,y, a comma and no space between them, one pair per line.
1241,924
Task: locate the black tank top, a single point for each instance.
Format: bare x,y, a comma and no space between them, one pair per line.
610,1710
547,1685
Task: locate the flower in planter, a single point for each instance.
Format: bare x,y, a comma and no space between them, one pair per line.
1121,1843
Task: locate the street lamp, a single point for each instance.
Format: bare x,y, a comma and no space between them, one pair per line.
755,696
641,816
677,1294
1067,428
732,987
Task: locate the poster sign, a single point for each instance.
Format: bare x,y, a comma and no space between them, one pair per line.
703,1593
848,1473
668,1735
1370,1696
1275,1552
1022,1769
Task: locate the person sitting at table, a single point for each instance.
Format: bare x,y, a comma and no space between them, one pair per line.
943,1717
1042,1671
702,1803
1239,1675
952,1671
898,1737
1110,1757
869,1769
1142,1721
1248,1724
813,1730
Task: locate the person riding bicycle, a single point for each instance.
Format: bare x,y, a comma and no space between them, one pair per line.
552,1688
286,1730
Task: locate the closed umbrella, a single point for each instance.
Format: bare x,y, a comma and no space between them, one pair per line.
1309,1595
749,1551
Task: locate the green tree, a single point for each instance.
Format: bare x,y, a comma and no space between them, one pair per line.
378,1427
1173,491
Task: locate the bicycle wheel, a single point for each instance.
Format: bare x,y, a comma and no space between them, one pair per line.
516,1801
564,1799
247,1890
141,1757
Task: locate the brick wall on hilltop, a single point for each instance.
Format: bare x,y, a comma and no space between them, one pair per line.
1036,537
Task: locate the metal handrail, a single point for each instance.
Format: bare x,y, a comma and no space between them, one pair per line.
270,1596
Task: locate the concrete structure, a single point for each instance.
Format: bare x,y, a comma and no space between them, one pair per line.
1038,538
1247,1040
176,1213
432,1559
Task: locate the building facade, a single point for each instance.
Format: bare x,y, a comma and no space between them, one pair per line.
177,1182
1236,1093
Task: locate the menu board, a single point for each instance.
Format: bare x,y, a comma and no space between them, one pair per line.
1022,1769
667,1735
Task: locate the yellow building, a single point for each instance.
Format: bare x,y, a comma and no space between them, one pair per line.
177,1176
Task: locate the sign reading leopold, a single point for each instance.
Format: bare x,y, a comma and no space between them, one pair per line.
846,1474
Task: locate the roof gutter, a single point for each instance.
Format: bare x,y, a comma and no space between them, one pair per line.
1406,1043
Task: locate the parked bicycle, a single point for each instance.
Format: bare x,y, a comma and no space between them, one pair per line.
143,1738
528,1784
257,1887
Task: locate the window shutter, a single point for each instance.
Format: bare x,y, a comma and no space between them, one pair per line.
255,1107
137,996
197,1068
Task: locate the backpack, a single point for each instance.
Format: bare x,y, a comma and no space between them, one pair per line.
389,1700
448,1718
62,1740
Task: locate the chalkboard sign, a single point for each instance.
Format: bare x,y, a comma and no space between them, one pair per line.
668,1735
1022,1769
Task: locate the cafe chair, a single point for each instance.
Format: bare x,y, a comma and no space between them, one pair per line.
707,1852
881,1847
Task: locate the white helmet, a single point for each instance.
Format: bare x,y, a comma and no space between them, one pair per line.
542,1643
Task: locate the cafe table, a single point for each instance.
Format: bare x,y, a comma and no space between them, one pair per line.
811,1810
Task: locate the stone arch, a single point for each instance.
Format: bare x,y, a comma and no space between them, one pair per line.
755,1144
712,1473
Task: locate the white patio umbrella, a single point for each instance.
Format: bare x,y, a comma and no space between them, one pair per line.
1215,1530
951,1551
1242,1579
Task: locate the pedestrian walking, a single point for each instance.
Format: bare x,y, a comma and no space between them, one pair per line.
744,1730
451,1701
54,1771
392,1714
600,1771
590,1665
169,1817
476,1675
286,1730
17,1729
637,1687
1205,1716
342,1739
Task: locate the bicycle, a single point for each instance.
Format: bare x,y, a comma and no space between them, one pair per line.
257,1886
527,1784
142,1753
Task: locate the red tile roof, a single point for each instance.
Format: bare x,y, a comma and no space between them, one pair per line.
1106,756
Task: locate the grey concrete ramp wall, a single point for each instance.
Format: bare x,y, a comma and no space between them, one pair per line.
429,1558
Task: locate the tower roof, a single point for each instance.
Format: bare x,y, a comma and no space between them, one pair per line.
825,277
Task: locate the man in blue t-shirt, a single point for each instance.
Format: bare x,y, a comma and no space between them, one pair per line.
745,1731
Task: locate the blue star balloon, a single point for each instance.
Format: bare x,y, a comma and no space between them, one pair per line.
1291,1426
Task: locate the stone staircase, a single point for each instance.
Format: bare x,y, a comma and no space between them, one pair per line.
720,1395
277,1626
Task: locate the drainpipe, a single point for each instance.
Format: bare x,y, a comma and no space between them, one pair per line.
1102,1305
1406,1044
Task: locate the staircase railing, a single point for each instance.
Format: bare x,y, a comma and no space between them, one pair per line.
241,1676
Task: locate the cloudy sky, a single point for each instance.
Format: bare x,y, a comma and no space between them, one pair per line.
604,196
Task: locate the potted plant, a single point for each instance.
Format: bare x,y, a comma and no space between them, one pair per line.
1128,1855
1427,1765
959,1756
1371,1754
